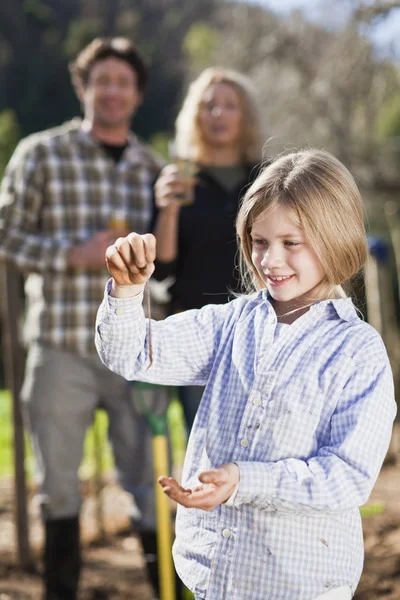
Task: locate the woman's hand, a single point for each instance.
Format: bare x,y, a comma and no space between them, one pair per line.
216,487
130,260
168,188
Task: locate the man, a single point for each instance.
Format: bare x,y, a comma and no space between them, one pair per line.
68,193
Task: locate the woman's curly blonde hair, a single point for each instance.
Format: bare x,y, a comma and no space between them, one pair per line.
189,141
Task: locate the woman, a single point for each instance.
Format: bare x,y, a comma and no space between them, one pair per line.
219,128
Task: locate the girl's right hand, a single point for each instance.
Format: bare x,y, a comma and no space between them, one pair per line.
130,260
216,486
167,189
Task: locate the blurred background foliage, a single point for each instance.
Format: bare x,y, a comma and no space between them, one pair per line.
318,86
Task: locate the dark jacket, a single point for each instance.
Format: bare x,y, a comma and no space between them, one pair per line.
206,266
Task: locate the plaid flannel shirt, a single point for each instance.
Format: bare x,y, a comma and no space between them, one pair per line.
59,189
307,416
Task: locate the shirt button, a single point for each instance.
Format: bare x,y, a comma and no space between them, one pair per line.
257,401
119,311
226,533
244,443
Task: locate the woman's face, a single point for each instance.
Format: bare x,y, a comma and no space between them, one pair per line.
220,116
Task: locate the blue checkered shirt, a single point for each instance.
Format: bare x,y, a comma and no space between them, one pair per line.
307,416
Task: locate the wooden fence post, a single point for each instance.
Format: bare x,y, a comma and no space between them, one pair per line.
14,361
392,213
380,297
381,309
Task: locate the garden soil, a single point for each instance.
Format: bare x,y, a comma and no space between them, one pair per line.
113,562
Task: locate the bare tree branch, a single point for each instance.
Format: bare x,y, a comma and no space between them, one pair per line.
381,8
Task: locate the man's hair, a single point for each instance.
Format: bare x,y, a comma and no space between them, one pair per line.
188,133
101,49
323,199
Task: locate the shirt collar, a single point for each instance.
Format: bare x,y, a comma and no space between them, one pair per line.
134,153
86,136
343,307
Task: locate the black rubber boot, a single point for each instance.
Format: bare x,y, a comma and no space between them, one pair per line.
62,559
149,544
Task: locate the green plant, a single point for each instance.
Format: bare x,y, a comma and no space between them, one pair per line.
96,433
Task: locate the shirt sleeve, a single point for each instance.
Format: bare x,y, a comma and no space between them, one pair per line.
22,240
341,476
183,346
232,497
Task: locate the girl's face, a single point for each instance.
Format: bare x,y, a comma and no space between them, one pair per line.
220,116
284,260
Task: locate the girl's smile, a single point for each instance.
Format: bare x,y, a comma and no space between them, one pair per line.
278,281
284,260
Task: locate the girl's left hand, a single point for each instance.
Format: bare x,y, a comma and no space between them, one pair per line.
216,487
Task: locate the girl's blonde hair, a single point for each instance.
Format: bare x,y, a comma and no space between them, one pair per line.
188,135
324,200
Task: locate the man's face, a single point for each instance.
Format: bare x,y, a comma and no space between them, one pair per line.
111,96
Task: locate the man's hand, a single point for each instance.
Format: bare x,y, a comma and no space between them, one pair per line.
90,254
130,260
216,487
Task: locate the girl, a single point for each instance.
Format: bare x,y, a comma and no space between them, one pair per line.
219,128
297,413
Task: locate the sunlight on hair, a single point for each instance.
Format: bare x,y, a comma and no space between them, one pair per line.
325,202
